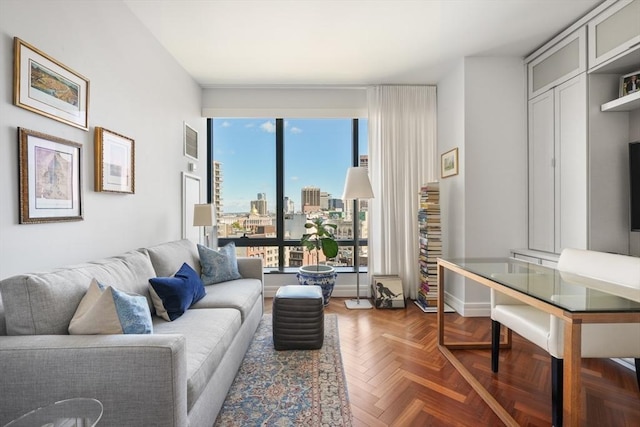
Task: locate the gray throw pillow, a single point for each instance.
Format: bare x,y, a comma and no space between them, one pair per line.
218,266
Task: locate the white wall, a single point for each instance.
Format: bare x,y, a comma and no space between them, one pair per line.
136,89
285,102
451,134
485,210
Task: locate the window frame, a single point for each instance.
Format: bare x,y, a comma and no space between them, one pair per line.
279,241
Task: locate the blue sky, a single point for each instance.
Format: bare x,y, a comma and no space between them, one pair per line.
317,153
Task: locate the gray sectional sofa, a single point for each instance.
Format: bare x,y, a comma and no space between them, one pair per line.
177,376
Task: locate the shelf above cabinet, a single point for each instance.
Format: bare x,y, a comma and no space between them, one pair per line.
626,103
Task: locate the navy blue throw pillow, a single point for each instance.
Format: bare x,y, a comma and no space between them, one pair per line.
172,296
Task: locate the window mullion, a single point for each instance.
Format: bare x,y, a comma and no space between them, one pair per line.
280,191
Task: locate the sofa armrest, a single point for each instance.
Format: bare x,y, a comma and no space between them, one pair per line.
251,268
140,379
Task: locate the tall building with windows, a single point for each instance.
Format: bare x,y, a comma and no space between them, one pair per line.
310,198
324,200
216,185
289,206
260,204
336,205
364,163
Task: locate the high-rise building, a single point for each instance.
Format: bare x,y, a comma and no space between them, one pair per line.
324,200
289,206
310,198
260,205
336,205
216,185
364,163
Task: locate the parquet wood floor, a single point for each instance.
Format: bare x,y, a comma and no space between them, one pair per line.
396,375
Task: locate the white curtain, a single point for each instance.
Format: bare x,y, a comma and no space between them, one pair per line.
402,157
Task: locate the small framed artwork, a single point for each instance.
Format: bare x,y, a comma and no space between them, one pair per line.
387,292
449,163
114,162
190,142
50,178
190,198
45,86
630,83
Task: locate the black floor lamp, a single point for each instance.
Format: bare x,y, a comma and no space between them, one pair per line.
357,186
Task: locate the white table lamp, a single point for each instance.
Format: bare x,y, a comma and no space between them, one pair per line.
204,215
357,186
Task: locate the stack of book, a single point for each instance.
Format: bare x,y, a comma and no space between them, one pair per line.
430,246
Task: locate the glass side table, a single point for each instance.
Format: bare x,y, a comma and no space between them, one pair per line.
77,412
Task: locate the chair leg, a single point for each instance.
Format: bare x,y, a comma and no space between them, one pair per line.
495,345
556,391
638,371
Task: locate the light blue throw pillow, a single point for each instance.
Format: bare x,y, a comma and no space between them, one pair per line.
106,310
218,266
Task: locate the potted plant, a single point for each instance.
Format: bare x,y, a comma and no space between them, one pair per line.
319,238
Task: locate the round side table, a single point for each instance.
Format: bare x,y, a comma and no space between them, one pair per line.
76,412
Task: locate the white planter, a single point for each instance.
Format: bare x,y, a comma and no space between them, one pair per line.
322,275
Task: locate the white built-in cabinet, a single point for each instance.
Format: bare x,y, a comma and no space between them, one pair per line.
578,132
613,32
565,60
558,167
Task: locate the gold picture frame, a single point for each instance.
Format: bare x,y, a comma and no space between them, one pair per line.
114,162
449,163
47,87
50,176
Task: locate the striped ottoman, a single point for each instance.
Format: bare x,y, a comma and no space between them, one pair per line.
298,318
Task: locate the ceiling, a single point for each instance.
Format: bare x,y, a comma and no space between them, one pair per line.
346,42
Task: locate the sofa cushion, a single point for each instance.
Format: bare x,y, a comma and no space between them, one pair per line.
3,324
209,334
44,303
167,258
172,296
106,310
218,266
240,294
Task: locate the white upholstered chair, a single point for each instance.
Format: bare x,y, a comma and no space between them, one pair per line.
547,331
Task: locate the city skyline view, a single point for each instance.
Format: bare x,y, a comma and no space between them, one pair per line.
317,154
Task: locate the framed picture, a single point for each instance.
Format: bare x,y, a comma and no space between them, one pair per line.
630,83
45,86
190,198
387,292
190,142
449,163
114,162
50,178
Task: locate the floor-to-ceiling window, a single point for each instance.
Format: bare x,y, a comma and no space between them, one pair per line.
269,176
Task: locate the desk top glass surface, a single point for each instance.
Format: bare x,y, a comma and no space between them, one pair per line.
75,412
568,291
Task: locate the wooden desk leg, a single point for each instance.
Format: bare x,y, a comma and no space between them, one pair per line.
572,365
440,311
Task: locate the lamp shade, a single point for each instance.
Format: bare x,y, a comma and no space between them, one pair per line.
204,215
357,185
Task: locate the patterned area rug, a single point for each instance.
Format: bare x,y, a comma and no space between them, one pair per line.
289,388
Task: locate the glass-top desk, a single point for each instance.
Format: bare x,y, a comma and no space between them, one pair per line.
572,298
75,412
